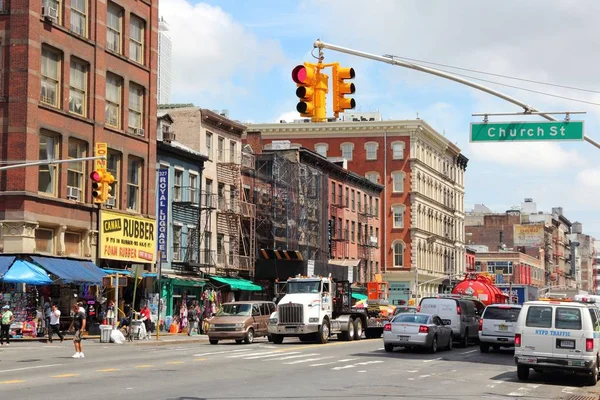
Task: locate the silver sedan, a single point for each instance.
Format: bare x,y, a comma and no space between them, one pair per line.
417,330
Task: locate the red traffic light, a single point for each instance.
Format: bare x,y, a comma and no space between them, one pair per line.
299,74
96,176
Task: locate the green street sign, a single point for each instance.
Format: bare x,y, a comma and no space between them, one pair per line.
526,131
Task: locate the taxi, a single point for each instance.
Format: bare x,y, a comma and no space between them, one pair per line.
558,334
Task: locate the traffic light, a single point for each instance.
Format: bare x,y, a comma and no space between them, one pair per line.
98,186
107,180
312,88
341,88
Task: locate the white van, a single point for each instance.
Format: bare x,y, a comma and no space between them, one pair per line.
460,314
558,335
497,326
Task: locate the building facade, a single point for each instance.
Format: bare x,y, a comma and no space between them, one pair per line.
75,74
422,206
164,62
511,267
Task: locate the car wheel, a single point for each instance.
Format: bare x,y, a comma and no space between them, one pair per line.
213,341
484,347
277,339
433,348
464,341
323,335
522,372
358,329
593,378
450,344
249,336
388,347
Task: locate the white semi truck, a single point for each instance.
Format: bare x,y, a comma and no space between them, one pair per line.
316,308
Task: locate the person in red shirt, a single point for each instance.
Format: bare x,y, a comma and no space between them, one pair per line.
145,315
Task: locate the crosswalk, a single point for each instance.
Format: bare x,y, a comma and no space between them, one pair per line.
287,356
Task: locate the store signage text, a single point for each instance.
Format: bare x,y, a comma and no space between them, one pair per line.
127,238
163,212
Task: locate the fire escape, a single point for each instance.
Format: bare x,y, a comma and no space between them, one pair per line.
340,237
365,242
236,216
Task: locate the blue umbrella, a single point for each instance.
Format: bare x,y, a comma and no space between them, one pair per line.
22,271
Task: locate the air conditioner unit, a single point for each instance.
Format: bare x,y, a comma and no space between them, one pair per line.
73,193
141,131
50,13
111,202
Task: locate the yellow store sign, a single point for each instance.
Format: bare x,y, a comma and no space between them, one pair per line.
127,238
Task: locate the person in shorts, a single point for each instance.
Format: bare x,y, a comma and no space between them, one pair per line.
78,323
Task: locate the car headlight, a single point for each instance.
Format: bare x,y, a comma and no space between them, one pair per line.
273,321
211,327
313,320
239,326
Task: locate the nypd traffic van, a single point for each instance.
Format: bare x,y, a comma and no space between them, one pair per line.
558,334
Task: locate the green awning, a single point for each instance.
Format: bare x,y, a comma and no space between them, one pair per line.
187,282
359,296
238,283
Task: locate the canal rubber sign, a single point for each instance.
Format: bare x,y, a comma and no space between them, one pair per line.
126,237
526,131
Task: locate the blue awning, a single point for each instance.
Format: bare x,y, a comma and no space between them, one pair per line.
117,271
72,271
150,275
22,271
5,263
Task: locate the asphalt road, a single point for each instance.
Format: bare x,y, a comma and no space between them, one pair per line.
293,370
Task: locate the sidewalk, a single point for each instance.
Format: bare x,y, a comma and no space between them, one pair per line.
163,340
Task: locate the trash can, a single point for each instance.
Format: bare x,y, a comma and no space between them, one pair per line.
105,331
135,329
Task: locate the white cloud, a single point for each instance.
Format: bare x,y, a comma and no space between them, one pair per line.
288,116
214,57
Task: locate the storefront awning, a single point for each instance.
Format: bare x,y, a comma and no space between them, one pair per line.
22,271
117,271
238,283
72,271
345,263
359,296
185,281
5,263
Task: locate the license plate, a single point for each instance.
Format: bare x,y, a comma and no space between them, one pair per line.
566,344
503,328
528,360
290,328
403,338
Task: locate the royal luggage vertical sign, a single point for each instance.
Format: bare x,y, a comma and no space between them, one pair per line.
163,212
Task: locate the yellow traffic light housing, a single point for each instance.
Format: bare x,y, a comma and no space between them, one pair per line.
341,88
312,86
98,177
107,180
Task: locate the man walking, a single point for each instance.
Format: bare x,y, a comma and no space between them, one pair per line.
55,324
7,319
78,323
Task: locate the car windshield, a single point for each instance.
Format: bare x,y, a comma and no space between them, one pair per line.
234,309
401,310
414,318
304,287
508,314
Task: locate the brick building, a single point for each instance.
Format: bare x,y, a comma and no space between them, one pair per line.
75,74
422,206
514,267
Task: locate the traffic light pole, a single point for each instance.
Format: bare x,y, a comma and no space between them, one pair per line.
51,162
390,59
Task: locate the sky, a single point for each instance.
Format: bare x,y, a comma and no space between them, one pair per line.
238,56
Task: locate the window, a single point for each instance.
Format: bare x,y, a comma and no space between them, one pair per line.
220,148
358,198
353,230
347,198
372,176
136,39
136,109
44,240
209,193
232,151
220,247
72,244
376,208
333,192
539,317
113,165
398,182
47,174
353,200
114,84
346,230
398,211
177,183
508,314
209,139
48,5
79,17
371,148
398,247
398,150
321,148
114,27
177,242
51,60
340,195
193,188
347,150
75,171
221,196
594,319
567,318
133,184
78,88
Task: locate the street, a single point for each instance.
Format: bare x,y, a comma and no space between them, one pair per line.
294,370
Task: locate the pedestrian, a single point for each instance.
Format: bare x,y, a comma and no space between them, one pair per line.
192,318
146,319
7,319
78,323
110,313
54,326
47,312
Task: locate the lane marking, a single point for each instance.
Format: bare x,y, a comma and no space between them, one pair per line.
175,362
26,368
108,370
220,352
344,367
144,366
414,370
433,359
10,382
423,376
290,357
568,389
362,371
306,360
470,351
369,362
348,359
270,355
254,354
64,376
199,359
520,392
321,364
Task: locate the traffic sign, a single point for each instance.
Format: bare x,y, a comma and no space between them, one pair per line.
526,131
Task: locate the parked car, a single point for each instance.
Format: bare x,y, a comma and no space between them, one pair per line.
497,326
241,321
417,330
404,309
460,314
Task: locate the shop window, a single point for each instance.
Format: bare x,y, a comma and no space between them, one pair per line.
72,244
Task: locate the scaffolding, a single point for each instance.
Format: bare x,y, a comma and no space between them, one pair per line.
289,213
366,242
236,216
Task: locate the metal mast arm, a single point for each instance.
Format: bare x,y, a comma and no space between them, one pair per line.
394,61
